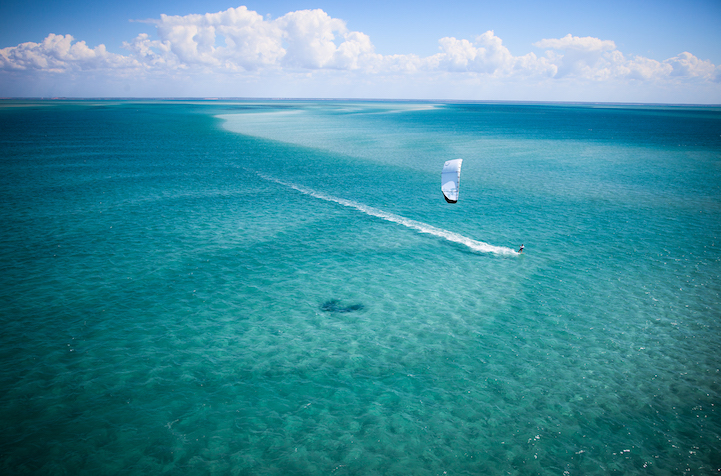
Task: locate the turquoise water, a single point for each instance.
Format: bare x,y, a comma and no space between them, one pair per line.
278,287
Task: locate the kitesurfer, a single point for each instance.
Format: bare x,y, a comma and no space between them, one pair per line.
520,250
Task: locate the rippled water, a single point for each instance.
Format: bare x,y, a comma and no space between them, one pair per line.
280,288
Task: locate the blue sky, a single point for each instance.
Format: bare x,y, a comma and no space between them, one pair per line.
625,51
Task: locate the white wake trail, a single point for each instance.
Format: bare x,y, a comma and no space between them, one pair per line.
413,224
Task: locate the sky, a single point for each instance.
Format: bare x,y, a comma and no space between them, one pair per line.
637,51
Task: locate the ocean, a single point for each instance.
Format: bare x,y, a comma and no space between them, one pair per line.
277,287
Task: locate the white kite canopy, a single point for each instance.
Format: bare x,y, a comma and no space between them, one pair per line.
451,180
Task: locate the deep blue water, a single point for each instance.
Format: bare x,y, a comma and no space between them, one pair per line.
278,287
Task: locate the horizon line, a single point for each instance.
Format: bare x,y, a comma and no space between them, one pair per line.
244,98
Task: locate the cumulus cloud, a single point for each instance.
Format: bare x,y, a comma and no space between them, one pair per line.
595,59
582,57
688,65
487,55
241,41
236,39
60,53
310,36
574,43
250,42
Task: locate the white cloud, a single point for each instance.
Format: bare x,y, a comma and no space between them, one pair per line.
687,65
355,52
238,39
310,38
144,50
241,44
574,43
492,56
60,53
594,59
250,41
488,56
582,57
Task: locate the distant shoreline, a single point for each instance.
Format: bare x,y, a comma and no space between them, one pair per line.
292,99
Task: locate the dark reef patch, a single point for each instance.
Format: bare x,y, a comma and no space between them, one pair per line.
335,305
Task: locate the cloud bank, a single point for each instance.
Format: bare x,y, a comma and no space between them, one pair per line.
239,44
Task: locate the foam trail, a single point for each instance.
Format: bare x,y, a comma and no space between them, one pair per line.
413,224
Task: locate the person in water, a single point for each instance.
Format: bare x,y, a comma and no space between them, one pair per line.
520,250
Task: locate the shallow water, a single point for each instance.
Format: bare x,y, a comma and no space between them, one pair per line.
279,288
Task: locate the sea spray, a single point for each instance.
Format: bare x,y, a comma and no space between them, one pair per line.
474,245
